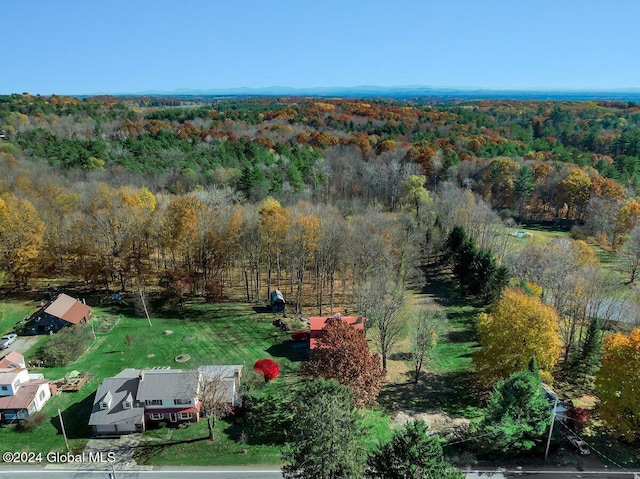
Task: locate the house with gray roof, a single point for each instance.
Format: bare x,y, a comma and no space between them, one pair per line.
116,409
136,398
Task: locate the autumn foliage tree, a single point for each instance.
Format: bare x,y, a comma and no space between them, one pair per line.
274,225
618,383
21,236
517,328
268,368
342,353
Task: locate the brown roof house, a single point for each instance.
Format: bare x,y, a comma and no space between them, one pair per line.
63,312
21,393
12,360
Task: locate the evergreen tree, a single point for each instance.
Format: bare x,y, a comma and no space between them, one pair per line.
590,354
533,366
517,417
524,187
326,437
476,270
411,453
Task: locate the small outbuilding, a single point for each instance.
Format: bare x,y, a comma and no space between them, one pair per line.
277,301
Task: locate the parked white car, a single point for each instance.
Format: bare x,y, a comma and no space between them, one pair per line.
9,338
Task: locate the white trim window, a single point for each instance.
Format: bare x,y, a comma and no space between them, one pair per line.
156,416
184,415
181,402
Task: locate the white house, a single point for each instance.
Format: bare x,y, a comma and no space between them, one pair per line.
21,393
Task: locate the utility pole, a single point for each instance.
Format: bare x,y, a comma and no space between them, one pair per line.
553,419
64,433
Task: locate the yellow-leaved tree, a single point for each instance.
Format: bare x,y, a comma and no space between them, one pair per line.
274,225
21,237
519,327
618,382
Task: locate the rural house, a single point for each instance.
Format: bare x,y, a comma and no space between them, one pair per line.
134,398
317,324
11,360
64,311
21,393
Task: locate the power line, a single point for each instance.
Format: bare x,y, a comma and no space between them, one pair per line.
568,429
469,439
594,449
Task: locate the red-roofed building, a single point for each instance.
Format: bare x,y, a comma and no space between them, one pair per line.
12,360
21,393
63,312
317,324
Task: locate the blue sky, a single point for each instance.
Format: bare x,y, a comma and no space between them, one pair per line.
117,46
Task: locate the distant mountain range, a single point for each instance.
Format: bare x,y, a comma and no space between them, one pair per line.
368,91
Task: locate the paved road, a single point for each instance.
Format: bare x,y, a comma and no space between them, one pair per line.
59,472
257,472
552,474
20,345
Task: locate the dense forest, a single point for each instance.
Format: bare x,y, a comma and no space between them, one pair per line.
108,189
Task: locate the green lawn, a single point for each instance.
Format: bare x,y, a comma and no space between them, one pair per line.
235,334
13,311
448,381
541,233
190,446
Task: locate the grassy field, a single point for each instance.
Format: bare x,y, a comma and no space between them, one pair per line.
542,233
235,334
447,383
191,446
13,311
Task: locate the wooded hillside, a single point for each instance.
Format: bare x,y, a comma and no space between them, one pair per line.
113,191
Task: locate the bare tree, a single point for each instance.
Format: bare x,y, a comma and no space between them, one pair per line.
630,254
214,398
426,321
383,304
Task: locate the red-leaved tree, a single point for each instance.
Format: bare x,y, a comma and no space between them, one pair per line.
578,418
268,368
342,353
301,335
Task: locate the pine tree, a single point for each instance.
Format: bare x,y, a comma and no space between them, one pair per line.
517,417
533,366
326,437
590,354
411,453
